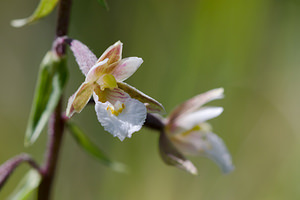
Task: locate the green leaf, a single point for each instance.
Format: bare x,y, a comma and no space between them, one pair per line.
44,8
92,149
27,186
103,3
51,81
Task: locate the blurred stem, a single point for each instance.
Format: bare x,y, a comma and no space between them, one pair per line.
55,133
9,166
57,122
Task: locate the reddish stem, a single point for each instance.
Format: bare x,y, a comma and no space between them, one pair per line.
57,122
55,132
9,166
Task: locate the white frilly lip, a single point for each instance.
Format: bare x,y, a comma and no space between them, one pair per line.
130,120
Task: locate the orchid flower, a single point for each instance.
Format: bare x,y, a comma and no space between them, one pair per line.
188,133
121,109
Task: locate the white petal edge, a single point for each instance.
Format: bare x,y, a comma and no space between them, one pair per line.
217,151
206,144
130,120
190,120
126,67
195,103
185,165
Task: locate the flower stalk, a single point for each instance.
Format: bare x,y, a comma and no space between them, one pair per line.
57,122
55,134
154,122
9,166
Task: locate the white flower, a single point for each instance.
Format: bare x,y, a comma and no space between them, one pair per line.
121,109
188,132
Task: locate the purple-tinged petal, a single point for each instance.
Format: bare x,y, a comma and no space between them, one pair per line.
122,122
195,103
84,57
151,104
126,67
113,53
109,95
78,100
117,95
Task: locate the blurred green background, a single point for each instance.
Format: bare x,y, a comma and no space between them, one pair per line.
251,48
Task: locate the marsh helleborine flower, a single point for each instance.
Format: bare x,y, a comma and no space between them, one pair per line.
188,133
121,109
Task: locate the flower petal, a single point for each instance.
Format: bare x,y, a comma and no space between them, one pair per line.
195,103
113,53
126,67
190,120
190,142
117,95
96,71
218,152
151,104
205,144
78,100
123,125
84,57
171,156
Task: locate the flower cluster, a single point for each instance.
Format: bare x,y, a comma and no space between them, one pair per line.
122,109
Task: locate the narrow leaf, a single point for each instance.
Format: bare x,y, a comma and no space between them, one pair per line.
27,186
103,3
85,143
44,8
50,84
